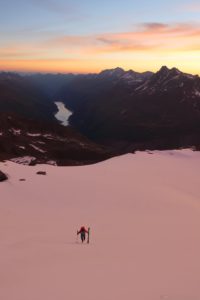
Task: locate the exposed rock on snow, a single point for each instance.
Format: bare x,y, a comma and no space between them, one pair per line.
41,173
3,176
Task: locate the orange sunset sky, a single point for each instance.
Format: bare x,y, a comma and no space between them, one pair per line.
83,37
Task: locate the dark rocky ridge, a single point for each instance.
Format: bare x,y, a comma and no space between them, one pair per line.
161,110
122,110
45,142
3,177
20,95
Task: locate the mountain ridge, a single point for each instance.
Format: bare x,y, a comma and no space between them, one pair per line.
164,105
125,110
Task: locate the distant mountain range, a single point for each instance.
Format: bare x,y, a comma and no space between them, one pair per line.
143,109
123,110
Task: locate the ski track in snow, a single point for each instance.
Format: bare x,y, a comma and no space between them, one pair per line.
144,214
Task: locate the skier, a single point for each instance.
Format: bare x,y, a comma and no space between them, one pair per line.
82,232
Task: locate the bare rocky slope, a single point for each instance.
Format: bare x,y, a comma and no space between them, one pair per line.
30,142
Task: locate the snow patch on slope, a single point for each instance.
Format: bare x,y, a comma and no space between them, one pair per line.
24,160
144,214
37,148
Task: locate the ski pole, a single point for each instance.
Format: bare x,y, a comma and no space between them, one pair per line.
88,240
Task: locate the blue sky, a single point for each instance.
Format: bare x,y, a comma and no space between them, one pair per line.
94,16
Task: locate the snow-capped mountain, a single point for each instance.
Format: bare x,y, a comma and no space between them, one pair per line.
119,74
164,105
171,79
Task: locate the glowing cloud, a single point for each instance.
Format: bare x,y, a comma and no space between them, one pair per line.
150,44
148,36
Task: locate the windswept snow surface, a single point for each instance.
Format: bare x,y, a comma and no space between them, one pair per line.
144,214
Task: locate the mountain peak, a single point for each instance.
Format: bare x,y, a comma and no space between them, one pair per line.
166,70
118,69
128,76
117,72
176,70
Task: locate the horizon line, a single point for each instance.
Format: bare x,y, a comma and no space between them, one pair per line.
56,72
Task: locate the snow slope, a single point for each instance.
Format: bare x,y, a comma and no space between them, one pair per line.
144,213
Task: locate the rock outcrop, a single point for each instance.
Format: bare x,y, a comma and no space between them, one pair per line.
3,177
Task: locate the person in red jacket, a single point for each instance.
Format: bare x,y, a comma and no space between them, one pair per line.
82,232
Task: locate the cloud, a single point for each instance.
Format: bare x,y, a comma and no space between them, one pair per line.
154,26
150,39
16,51
145,37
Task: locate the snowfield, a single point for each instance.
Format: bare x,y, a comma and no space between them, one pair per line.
144,214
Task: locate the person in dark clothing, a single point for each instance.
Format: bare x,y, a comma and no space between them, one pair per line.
82,232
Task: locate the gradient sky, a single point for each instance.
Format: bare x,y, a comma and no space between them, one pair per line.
88,36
